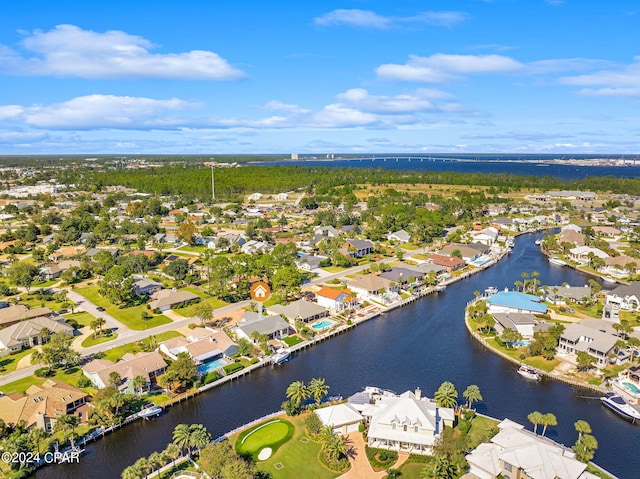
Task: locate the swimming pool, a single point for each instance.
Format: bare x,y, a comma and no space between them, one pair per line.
209,366
632,387
521,343
325,323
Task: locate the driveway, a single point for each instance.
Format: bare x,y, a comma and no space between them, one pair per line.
92,309
360,467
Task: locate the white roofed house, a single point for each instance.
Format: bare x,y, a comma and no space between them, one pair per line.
28,333
342,418
402,236
486,236
583,254
516,453
625,297
600,345
408,422
165,299
523,323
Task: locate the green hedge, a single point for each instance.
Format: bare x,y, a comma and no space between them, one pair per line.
232,368
381,458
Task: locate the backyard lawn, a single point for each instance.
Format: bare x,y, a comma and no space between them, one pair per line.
117,353
293,340
130,317
411,470
189,310
21,385
299,453
272,434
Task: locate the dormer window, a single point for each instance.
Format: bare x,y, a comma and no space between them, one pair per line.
393,425
404,428
416,428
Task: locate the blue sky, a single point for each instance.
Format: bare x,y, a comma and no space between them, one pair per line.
225,76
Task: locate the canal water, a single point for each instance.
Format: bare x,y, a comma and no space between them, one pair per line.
420,345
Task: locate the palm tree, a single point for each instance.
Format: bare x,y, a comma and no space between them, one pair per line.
37,434
439,468
172,451
64,422
182,437
446,395
548,419
297,392
139,382
44,335
131,472
585,447
317,388
156,460
199,436
114,378
472,394
535,418
582,427
335,446
143,465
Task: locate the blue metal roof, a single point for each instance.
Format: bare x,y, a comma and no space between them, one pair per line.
514,299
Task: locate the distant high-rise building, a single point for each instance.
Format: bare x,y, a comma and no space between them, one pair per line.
294,156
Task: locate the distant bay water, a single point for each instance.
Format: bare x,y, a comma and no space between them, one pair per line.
503,164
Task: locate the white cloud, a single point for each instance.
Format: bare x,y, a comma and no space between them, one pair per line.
368,19
102,111
279,106
441,67
420,100
616,81
68,50
9,112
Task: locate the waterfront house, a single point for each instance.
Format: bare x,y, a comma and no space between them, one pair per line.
621,266
607,231
369,286
28,333
567,294
520,454
486,236
625,297
275,327
403,276
467,252
515,302
43,404
583,254
342,418
202,345
571,236
451,263
407,423
299,310
336,299
165,299
523,323
148,365
580,337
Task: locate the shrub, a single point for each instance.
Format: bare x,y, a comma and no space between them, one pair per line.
211,377
523,356
232,368
145,315
43,372
84,382
381,458
73,323
313,424
340,465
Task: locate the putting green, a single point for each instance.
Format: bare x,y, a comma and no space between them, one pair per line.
272,433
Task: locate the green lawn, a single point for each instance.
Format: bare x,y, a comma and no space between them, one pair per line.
481,429
130,317
293,340
83,318
335,269
411,470
194,248
90,341
21,385
272,433
189,310
8,363
296,456
116,353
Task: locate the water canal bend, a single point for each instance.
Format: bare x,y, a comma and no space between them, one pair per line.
422,344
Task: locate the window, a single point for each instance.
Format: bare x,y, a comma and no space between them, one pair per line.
508,467
415,428
393,426
404,428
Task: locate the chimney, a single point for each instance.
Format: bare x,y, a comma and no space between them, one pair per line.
418,393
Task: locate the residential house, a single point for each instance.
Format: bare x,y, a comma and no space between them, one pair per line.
407,422
275,327
310,262
621,266
336,299
300,310
43,404
18,312
516,453
145,286
342,418
625,297
515,302
255,247
369,286
468,252
55,270
326,231
357,248
28,333
254,197
202,345
571,236
165,299
607,231
486,236
451,263
523,323
583,254
401,236
148,365
579,337
403,276
567,294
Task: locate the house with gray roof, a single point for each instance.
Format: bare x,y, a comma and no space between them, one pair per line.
27,334
573,294
402,236
275,327
146,286
401,275
166,299
625,297
578,337
357,248
301,310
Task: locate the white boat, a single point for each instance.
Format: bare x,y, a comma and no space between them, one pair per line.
281,356
608,279
151,411
440,288
618,405
557,261
538,241
510,243
529,372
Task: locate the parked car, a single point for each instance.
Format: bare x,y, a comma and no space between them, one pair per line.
100,308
